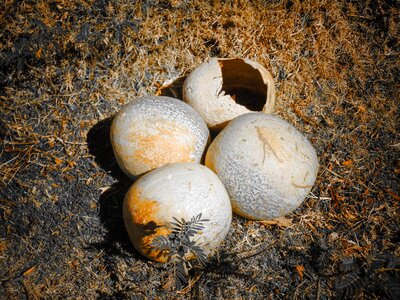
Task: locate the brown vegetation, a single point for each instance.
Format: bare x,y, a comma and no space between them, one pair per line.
67,67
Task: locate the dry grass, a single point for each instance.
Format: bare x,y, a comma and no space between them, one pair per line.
67,66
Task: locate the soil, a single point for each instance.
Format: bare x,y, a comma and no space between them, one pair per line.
66,68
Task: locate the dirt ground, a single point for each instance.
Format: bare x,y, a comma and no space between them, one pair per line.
66,67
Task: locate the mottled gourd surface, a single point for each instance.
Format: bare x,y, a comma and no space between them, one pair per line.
267,165
179,190
153,131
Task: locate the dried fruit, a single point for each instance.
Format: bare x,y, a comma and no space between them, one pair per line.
175,192
222,89
152,131
266,165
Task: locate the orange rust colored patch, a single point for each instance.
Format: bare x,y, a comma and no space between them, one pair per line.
162,148
300,269
148,250
211,156
141,210
210,162
155,151
142,224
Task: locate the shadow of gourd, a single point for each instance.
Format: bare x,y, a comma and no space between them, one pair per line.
111,200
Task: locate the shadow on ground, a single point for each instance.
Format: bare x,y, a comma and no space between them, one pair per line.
99,144
111,200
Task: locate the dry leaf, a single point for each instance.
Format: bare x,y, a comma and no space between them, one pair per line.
39,53
349,215
71,164
51,143
361,109
74,264
29,271
366,192
396,197
347,163
3,246
300,269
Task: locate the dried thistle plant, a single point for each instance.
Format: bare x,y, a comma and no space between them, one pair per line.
178,244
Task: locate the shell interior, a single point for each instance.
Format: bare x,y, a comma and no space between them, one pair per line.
243,83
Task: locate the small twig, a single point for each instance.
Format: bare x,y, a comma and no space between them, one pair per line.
388,269
248,254
71,143
191,283
7,162
318,289
334,173
395,145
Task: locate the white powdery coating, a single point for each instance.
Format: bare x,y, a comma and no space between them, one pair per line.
184,190
267,166
165,126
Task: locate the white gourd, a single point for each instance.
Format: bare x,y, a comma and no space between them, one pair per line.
180,190
224,88
153,131
267,166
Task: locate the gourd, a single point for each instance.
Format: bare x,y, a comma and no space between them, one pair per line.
180,191
224,88
153,131
267,166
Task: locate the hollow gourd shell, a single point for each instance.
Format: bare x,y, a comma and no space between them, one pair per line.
267,166
180,190
153,131
224,88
